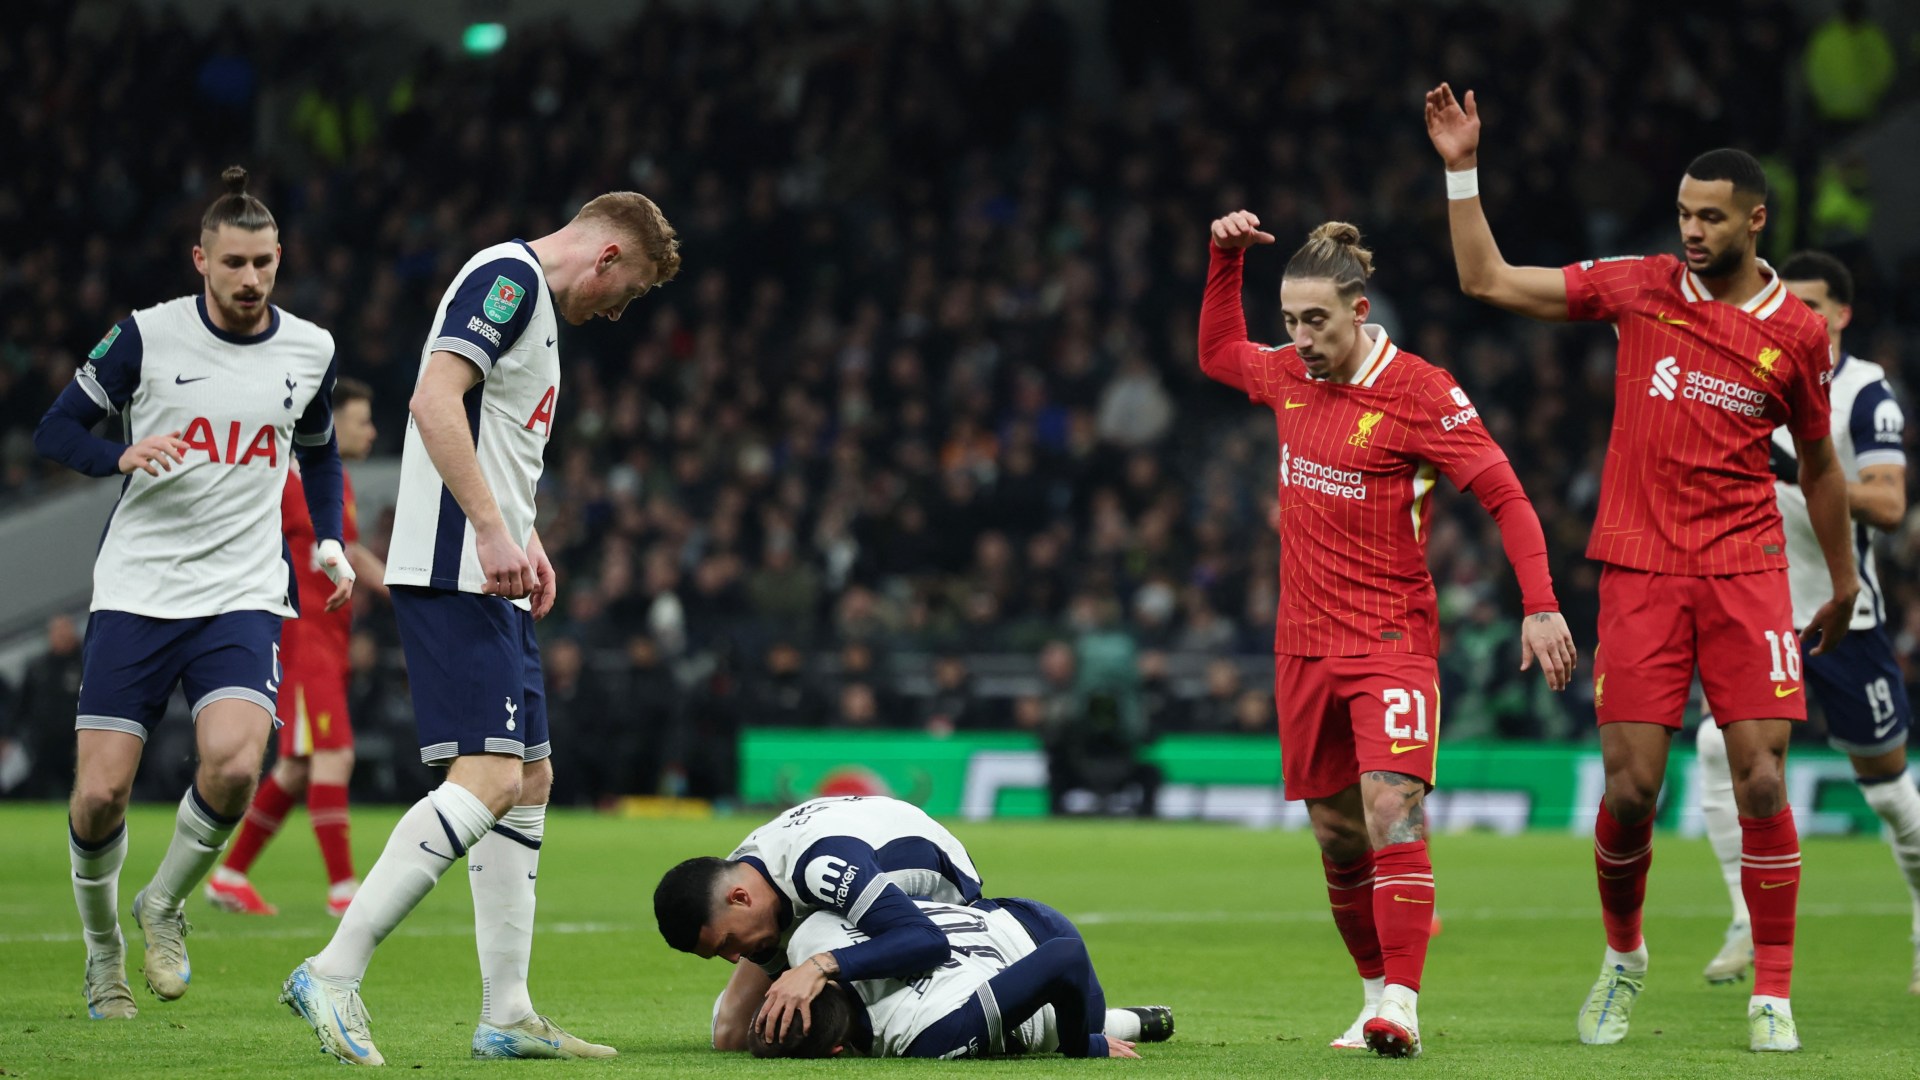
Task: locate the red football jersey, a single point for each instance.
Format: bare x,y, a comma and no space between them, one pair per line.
1699,387
1358,463
316,626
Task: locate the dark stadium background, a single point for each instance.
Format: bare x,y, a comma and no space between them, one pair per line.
924,400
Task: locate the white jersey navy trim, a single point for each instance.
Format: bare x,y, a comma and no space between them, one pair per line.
1869,429
498,315
204,538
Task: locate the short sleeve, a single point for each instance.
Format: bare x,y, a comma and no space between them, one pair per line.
315,425
1810,409
112,371
1878,426
1444,428
488,313
1598,290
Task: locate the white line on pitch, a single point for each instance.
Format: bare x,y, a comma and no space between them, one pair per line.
285,933
1536,914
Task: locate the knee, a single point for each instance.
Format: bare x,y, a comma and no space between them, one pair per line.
292,774
1631,798
1341,839
1761,793
98,802
536,784
228,781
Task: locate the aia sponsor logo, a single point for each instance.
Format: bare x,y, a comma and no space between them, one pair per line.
227,445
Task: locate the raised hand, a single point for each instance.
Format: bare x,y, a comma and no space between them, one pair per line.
1238,230
1454,129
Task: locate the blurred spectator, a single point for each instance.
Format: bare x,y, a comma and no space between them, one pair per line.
1217,710
1849,65
953,705
593,735
783,695
858,708
42,714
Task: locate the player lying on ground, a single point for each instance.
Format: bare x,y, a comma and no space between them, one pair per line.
217,392
1019,981
1859,685
316,734
1365,432
1713,355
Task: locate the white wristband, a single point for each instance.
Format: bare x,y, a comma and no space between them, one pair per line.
1464,184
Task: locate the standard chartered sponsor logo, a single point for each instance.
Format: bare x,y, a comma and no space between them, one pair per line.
1725,394
1300,472
1666,379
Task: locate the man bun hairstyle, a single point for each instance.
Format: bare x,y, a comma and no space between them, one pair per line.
636,216
236,207
683,901
1333,252
1738,166
1820,266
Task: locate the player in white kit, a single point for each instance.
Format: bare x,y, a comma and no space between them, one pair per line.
468,579
1859,685
214,393
1019,981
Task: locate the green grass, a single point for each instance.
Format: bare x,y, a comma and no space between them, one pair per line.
1228,926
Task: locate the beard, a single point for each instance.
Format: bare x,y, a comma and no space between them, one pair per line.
1723,264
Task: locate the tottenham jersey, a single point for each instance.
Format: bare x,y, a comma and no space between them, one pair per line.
1868,429
983,944
498,314
204,538
839,853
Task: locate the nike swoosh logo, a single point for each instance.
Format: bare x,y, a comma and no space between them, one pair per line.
1296,404
550,342
1672,322
178,381
1342,907
1776,884
1398,749
531,876
1782,691
435,854
338,1023
1409,899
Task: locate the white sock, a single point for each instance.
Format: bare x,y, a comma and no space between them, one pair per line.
1721,815
198,835
1374,989
431,835
1122,1024
1780,1005
504,865
96,887
1405,995
1635,961
1898,804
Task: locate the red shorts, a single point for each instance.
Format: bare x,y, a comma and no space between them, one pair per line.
313,696
1655,629
1341,716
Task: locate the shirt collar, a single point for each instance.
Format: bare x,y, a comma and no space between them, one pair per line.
1760,305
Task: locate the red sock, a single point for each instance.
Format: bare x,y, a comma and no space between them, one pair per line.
1350,891
1403,910
269,808
327,804
1621,855
1770,880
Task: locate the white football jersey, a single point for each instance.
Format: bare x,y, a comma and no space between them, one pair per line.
204,538
1868,429
815,855
984,944
498,313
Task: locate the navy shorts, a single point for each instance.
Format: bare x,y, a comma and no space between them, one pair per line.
1863,693
1042,922
474,668
130,664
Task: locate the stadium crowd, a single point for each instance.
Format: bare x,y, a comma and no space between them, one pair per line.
926,394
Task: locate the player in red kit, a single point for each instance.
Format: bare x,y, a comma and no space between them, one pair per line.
316,738
1365,432
1714,354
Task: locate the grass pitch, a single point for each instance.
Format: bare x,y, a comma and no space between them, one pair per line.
1228,926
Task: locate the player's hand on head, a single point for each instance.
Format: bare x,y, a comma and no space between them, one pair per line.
154,453
1239,229
1829,624
789,1004
1544,637
508,571
1454,127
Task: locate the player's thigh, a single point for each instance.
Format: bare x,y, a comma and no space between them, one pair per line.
1316,744
129,665
1643,666
230,737
1750,662
105,762
466,667
1393,702
1864,695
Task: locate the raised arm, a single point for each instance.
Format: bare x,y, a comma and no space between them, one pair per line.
1538,292
1224,348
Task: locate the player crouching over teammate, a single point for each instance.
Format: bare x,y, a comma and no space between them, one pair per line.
1019,981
